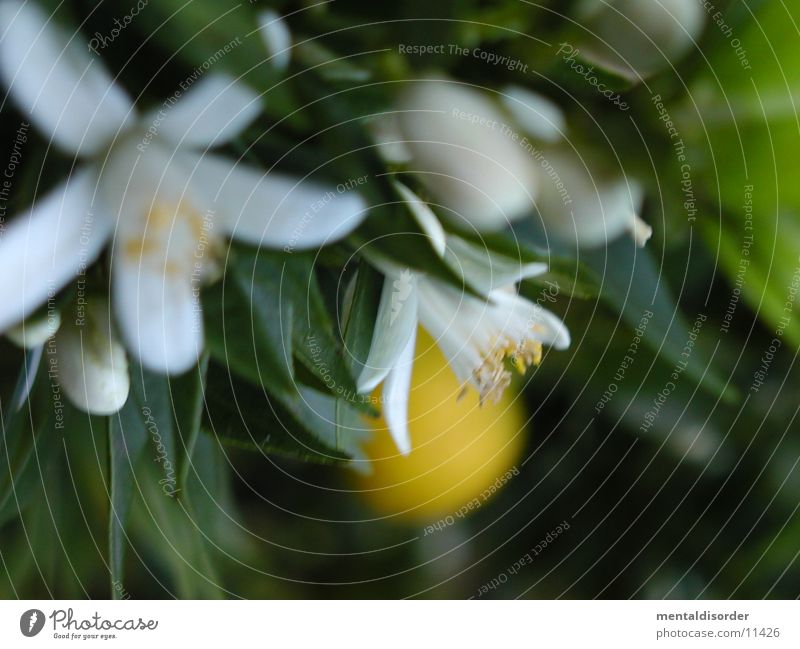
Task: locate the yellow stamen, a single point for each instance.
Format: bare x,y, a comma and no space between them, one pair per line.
157,229
492,376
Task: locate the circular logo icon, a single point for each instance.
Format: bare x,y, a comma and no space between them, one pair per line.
31,622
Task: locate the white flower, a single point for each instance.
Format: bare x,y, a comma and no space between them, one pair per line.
479,337
578,203
478,162
464,151
637,38
148,187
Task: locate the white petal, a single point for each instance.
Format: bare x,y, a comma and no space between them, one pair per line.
159,313
395,325
486,270
273,210
91,362
453,318
640,231
42,250
548,327
478,336
388,137
53,78
466,153
535,113
160,263
636,39
212,112
424,217
395,394
35,331
277,38
580,204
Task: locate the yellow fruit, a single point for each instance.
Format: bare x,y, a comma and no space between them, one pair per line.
462,453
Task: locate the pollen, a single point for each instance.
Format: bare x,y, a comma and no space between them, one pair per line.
493,375
528,352
169,236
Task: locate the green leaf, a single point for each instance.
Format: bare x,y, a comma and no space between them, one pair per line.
30,439
360,313
12,408
189,400
204,33
248,323
279,296
127,439
633,286
317,341
523,245
395,236
165,411
742,131
173,528
246,416
169,411
359,325
571,277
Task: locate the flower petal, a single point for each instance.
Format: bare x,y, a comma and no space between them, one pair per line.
548,327
161,258
91,362
478,337
277,38
466,154
272,210
36,331
424,217
53,78
42,250
583,205
395,325
158,310
385,131
486,270
395,394
537,114
212,112
636,39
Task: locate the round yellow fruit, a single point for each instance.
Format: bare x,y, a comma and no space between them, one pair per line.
462,452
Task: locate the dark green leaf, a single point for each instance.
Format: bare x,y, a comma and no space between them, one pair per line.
30,439
359,325
316,340
522,244
248,323
632,285
242,414
127,440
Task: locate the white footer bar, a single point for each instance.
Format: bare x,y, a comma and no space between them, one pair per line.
406,624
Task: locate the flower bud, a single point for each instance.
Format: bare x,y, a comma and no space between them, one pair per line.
637,38
92,364
465,152
580,206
